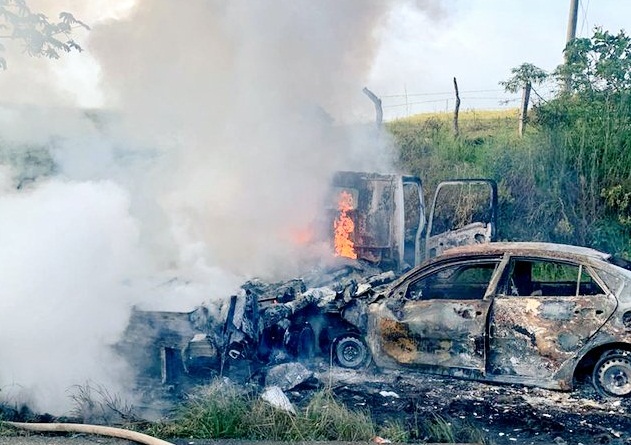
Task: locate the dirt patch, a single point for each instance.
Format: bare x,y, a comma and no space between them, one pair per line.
505,414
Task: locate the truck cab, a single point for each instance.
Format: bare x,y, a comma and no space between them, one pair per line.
387,221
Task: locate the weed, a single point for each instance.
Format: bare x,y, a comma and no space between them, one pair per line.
440,429
331,420
394,431
221,411
96,404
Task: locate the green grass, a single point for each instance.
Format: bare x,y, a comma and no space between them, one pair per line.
472,123
567,182
222,411
439,429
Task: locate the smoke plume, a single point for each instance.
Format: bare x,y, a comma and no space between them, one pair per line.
220,125
247,103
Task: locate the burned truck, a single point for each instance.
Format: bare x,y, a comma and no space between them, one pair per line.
389,224
377,224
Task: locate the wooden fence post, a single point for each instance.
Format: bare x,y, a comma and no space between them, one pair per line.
523,113
456,110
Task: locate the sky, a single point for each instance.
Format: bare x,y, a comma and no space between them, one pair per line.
419,46
478,42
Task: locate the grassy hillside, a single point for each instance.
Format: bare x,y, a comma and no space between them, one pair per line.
543,194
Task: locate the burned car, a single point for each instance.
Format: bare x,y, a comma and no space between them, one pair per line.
264,324
533,314
526,313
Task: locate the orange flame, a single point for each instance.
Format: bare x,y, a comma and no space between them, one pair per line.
344,227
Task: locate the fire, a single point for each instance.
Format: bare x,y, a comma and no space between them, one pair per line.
344,227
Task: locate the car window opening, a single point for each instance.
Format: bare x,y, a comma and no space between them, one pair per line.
551,279
455,282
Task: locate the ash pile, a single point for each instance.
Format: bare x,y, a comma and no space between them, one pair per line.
316,321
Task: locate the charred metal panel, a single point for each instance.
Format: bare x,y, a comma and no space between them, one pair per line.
438,333
476,232
535,336
152,338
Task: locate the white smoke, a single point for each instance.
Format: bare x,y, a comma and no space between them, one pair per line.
221,126
66,248
247,101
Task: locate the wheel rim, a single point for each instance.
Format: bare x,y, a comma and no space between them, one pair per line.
351,352
614,376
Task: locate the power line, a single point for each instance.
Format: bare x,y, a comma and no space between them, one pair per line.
584,18
406,104
437,94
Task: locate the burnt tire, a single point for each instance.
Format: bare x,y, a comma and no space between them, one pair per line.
351,352
612,374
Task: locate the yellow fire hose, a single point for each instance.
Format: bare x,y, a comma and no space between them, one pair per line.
89,429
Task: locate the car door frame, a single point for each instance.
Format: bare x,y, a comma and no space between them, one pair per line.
462,352
557,340
476,232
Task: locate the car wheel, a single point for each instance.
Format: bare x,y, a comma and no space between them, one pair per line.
612,374
351,352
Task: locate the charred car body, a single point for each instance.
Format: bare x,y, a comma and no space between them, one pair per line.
528,313
535,314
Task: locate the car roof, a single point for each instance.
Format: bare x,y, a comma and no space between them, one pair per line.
527,248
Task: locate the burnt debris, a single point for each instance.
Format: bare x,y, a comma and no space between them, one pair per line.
320,316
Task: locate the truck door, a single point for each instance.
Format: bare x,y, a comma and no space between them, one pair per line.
463,211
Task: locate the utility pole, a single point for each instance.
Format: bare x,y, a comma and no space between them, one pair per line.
571,21
571,34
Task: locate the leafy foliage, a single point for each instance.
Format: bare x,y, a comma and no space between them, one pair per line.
39,36
592,124
524,74
599,64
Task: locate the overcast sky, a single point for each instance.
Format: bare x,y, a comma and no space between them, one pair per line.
478,42
421,46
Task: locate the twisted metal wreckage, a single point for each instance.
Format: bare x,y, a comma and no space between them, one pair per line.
265,324
379,224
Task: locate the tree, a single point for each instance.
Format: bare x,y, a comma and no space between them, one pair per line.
39,36
590,122
524,76
601,64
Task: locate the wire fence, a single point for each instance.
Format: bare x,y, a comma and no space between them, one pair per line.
400,105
